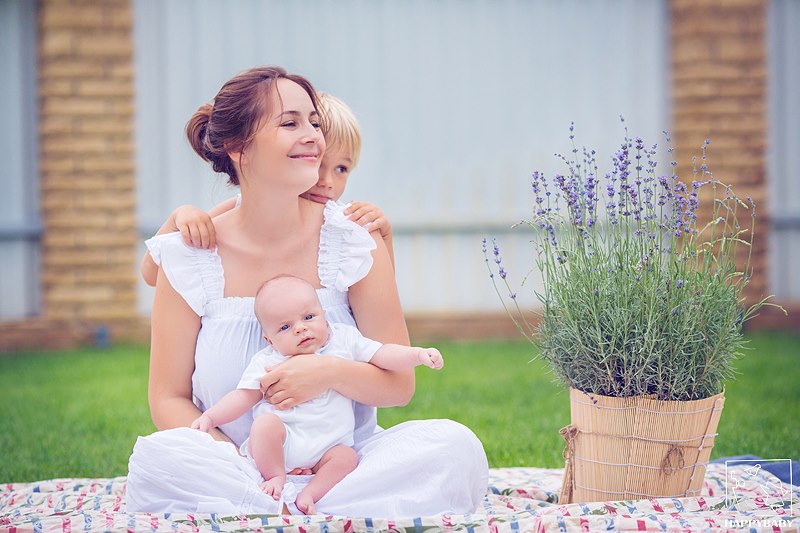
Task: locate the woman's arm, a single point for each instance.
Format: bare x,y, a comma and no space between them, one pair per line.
375,301
376,308
196,228
387,239
172,345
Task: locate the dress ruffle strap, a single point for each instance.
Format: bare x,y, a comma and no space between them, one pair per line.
345,250
195,273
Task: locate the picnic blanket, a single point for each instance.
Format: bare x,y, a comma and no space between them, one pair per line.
517,499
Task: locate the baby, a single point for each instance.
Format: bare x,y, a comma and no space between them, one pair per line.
317,434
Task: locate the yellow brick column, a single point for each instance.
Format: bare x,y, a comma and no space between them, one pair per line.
719,84
88,193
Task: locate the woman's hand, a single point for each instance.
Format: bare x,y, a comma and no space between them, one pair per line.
299,379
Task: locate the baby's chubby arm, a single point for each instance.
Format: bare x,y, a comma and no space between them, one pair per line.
399,357
229,408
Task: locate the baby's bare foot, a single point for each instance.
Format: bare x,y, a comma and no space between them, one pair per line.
305,503
273,486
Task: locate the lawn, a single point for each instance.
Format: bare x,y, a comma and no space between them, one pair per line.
77,413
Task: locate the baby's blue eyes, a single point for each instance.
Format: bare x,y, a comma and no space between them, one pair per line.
341,169
285,327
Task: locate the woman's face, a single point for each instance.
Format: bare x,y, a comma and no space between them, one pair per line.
333,174
288,148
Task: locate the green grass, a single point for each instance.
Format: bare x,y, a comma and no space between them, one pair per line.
77,414
511,404
72,414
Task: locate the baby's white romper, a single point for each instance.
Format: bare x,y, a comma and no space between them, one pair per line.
316,426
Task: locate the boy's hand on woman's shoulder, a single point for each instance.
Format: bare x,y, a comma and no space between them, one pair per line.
369,216
195,226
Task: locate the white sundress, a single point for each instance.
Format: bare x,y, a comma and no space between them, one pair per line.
416,468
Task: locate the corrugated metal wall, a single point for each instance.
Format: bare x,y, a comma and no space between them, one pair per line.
783,153
459,102
20,228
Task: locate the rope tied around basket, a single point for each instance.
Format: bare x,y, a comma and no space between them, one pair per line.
570,433
629,447
675,451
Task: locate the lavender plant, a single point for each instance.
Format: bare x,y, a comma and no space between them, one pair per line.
641,295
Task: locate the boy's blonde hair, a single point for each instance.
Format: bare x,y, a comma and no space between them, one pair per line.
340,126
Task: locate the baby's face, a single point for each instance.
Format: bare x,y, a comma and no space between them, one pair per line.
333,173
293,319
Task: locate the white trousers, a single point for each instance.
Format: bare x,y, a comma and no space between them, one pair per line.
417,468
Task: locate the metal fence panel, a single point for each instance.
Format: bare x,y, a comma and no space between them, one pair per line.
19,219
783,155
458,102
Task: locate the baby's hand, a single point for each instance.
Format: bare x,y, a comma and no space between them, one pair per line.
431,357
195,226
203,423
368,215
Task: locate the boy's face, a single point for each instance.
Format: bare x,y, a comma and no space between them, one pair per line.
293,319
333,173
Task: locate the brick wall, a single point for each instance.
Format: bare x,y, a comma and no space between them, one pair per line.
719,73
88,190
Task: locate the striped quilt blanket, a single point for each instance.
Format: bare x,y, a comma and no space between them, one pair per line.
517,499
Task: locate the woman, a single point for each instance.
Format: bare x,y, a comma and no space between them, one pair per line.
263,130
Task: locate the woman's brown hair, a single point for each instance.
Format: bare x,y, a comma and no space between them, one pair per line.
232,120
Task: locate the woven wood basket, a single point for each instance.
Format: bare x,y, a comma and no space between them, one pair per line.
637,447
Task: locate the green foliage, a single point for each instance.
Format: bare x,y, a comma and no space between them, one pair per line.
77,414
639,297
